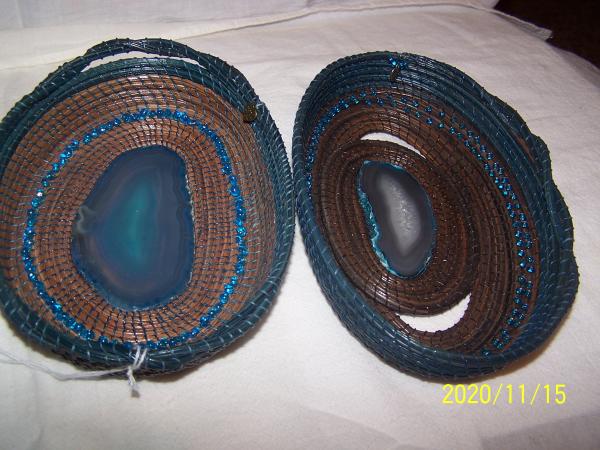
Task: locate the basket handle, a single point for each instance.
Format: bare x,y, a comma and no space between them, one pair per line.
159,47
154,46
69,70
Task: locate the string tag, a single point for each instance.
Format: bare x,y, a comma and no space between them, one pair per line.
129,370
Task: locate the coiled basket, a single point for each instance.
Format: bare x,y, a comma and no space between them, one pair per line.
146,203
501,234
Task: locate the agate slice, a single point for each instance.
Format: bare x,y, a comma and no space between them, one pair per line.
399,216
133,237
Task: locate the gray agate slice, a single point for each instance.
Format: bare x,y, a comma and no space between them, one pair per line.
399,216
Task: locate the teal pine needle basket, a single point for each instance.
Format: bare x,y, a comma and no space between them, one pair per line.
491,223
146,203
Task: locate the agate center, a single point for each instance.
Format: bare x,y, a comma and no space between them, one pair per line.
399,216
133,238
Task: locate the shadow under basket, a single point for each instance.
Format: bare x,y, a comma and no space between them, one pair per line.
146,203
487,220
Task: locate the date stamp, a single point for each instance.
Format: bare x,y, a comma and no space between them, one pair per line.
520,394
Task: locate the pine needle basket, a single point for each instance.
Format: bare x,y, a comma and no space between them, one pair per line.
504,235
55,144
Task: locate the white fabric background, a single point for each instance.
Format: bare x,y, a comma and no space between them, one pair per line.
300,379
45,13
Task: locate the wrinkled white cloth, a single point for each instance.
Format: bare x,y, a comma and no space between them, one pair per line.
44,13
301,380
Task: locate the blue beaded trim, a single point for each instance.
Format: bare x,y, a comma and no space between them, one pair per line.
438,118
40,195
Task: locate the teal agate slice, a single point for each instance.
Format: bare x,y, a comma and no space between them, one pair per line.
399,216
133,239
